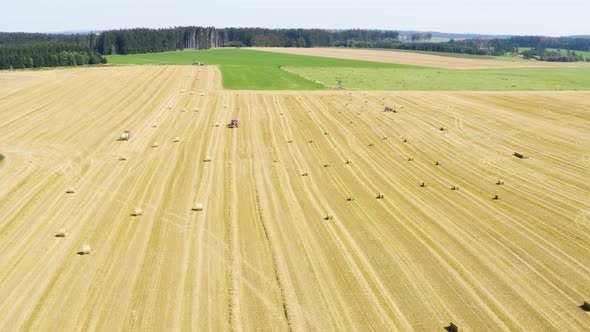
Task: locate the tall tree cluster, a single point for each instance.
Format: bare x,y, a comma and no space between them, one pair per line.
47,54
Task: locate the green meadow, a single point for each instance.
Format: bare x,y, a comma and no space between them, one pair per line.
258,70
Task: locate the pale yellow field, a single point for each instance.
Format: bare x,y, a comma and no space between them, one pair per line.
417,59
260,255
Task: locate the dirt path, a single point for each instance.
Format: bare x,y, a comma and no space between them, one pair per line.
417,59
261,254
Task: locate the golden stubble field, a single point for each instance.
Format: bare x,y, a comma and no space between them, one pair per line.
261,255
416,59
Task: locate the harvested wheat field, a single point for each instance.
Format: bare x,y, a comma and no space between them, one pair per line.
244,241
417,59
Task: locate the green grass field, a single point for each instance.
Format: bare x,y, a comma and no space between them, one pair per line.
522,79
253,70
259,70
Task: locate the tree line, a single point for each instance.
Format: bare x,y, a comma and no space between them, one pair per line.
29,50
47,54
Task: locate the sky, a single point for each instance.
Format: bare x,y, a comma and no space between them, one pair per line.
515,17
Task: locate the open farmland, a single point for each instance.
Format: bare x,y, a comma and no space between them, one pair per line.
418,59
261,255
259,70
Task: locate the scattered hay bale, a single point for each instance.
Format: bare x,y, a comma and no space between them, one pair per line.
85,250
207,158
137,212
329,217
350,198
71,190
500,182
305,174
455,187
452,327
585,306
199,207
496,197
423,184
155,145
380,196
62,233
123,157
410,158
176,139
520,155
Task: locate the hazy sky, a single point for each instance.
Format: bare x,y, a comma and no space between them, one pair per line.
546,17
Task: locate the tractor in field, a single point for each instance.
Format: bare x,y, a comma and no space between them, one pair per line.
125,136
233,123
389,109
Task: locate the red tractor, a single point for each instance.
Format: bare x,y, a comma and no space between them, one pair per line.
233,123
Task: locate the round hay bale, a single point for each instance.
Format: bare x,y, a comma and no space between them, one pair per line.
217,125
199,207
348,162
154,125
71,190
326,165
423,185
123,157
169,107
183,110
411,159
497,197
62,233
207,158
380,196
137,212
196,109
350,198
85,250
437,163
290,141
329,217
181,91
176,139
305,174
455,187
155,145
371,144
202,94
500,182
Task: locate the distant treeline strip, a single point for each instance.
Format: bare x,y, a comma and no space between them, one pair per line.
23,50
47,54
